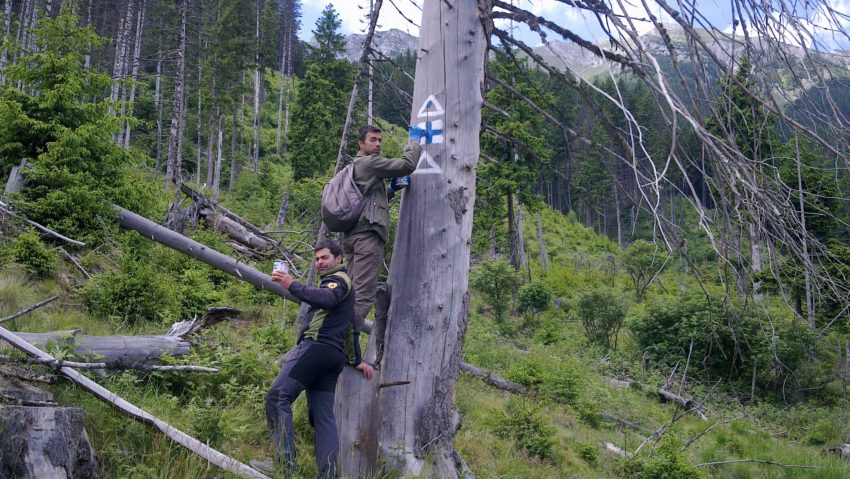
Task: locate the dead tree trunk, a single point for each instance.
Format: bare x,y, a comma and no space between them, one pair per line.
134,73
430,268
7,25
172,173
258,84
520,233
216,184
541,242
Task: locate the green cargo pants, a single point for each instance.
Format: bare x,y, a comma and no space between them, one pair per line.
364,258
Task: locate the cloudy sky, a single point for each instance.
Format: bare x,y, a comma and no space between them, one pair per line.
405,14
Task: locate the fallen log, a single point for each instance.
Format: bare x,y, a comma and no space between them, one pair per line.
492,379
172,239
221,219
213,456
627,424
133,351
842,450
687,404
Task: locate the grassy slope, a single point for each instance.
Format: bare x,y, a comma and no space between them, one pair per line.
227,410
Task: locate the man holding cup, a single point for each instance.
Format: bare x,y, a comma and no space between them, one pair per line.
315,363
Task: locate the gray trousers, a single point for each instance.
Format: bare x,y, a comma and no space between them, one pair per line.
364,258
313,367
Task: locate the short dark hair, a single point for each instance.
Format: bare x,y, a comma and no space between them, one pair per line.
361,133
330,245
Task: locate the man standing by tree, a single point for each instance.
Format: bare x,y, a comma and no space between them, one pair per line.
364,244
315,363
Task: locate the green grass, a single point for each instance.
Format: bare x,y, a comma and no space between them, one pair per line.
227,410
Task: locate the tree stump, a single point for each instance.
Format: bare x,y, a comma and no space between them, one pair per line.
42,442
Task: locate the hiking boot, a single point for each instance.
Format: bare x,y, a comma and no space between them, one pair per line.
270,467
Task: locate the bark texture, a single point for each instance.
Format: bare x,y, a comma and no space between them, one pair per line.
430,268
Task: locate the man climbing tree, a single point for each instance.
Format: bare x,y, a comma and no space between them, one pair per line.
409,423
364,244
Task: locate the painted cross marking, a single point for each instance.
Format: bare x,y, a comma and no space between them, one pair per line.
432,131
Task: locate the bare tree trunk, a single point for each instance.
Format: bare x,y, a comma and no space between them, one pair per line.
134,75
494,254
282,85
512,236
121,40
87,58
210,153
200,149
217,169
258,80
755,261
544,255
234,165
618,212
158,101
290,84
284,208
810,305
418,419
173,173
7,25
520,234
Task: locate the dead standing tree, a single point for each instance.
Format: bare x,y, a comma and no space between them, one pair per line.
407,418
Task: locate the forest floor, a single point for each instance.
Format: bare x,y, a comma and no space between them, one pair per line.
558,432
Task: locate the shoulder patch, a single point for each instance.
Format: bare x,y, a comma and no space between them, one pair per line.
332,285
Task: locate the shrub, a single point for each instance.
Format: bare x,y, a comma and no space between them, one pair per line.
586,450
643,261
496,282
533,298
601,312
728,338
28,250
522,423
197,293
666,462
135,293
560,380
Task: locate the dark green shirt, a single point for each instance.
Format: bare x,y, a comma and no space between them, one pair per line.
370,171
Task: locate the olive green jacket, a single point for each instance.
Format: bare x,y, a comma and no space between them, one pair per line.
370,171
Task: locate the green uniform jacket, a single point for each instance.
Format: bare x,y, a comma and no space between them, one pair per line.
370,171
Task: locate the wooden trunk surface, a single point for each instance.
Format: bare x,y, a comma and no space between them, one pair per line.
126,350
44,442
430,266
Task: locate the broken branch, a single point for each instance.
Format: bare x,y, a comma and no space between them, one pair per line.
28,309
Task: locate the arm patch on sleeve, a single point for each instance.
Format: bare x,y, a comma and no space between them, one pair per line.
333,285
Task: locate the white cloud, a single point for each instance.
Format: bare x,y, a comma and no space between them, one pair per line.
354,15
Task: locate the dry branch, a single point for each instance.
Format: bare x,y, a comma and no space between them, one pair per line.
758,461
73,260
60,363
708,429
213,456
28,309
5,209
